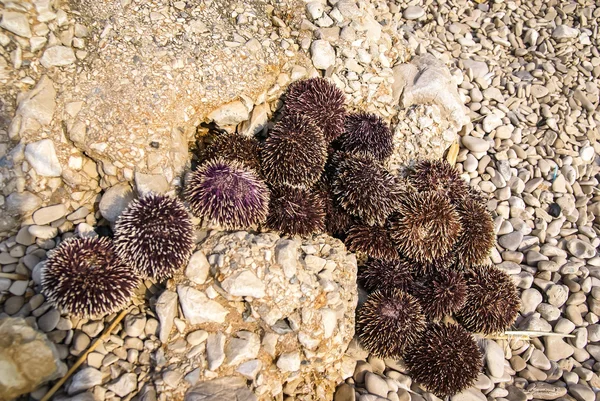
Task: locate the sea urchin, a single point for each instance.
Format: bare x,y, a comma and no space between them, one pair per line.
319,100
295,152
365,189
296,211
426,227
371,240
388,322
386,275
492,301
440,293
85,277
368,135
228,193
446,359
438,176
478,236
238,147
155,235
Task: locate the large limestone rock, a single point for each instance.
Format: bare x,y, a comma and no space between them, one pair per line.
276,312
27,359
432,111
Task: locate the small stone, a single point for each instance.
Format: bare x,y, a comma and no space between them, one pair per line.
197,308
22,203
530,299
582,392
322,53
491,122
286,255
511,241
196,337
376,385
85,379
476,145
198,268
49,214
554,210
49,320
289,362
539,91
581,249
115,200
215,350
42,157
230,114
412,13
244,284
124,385
344,392
58,56
539,360
565,32
250,369
18,287
43,232
166,310
557,348
560,184
557,295
150,183
172,378
16,23
240,349
24,237
134,325
494,358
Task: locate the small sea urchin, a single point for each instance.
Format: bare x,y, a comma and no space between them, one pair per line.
438,176
478,237
365,189
238,147
295,152
85,277
440,293
368,135
426,226
371,240
296,211
492,301
386,275
155,235
337,220
446,359
228,193
319,100
388,322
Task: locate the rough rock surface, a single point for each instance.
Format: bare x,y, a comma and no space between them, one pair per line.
27,359
301,323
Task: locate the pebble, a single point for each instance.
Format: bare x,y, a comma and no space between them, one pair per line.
413,12
530,299
16,23
230,114
197,308
240,349
557,295
198,268
166,310
376,385
84,379
58,56
581,249
511,241
134,325
49,214
244,284
564,32
489,123
582,392
289,362
124,385
476,145
42,157
49,320
115,200
322,54
557,348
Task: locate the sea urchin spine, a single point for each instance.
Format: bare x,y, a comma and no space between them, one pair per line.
155,235
235,146
296,211
368,135
374,241
85,277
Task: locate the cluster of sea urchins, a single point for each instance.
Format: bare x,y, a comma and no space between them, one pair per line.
442,234
93,276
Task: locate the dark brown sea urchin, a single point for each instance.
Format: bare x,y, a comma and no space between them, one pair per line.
438,176
155,235
478,236
368,135
295,152
388,322
386,275
371,240
440,293
238,147
296,211
426,226
492,301
228,193
365,189
319,100
446,359
85,277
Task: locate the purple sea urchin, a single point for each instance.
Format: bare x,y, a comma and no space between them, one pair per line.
439,176
492,301
365,189
319,100
386,275
337,220
235,147
440,293
85,277
296,211
155,235
368,135
426,226
388,322
371,240
446,359
295,152
478,237
228,193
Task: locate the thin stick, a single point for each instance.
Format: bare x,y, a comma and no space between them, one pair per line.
528,334
83,356
13,276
